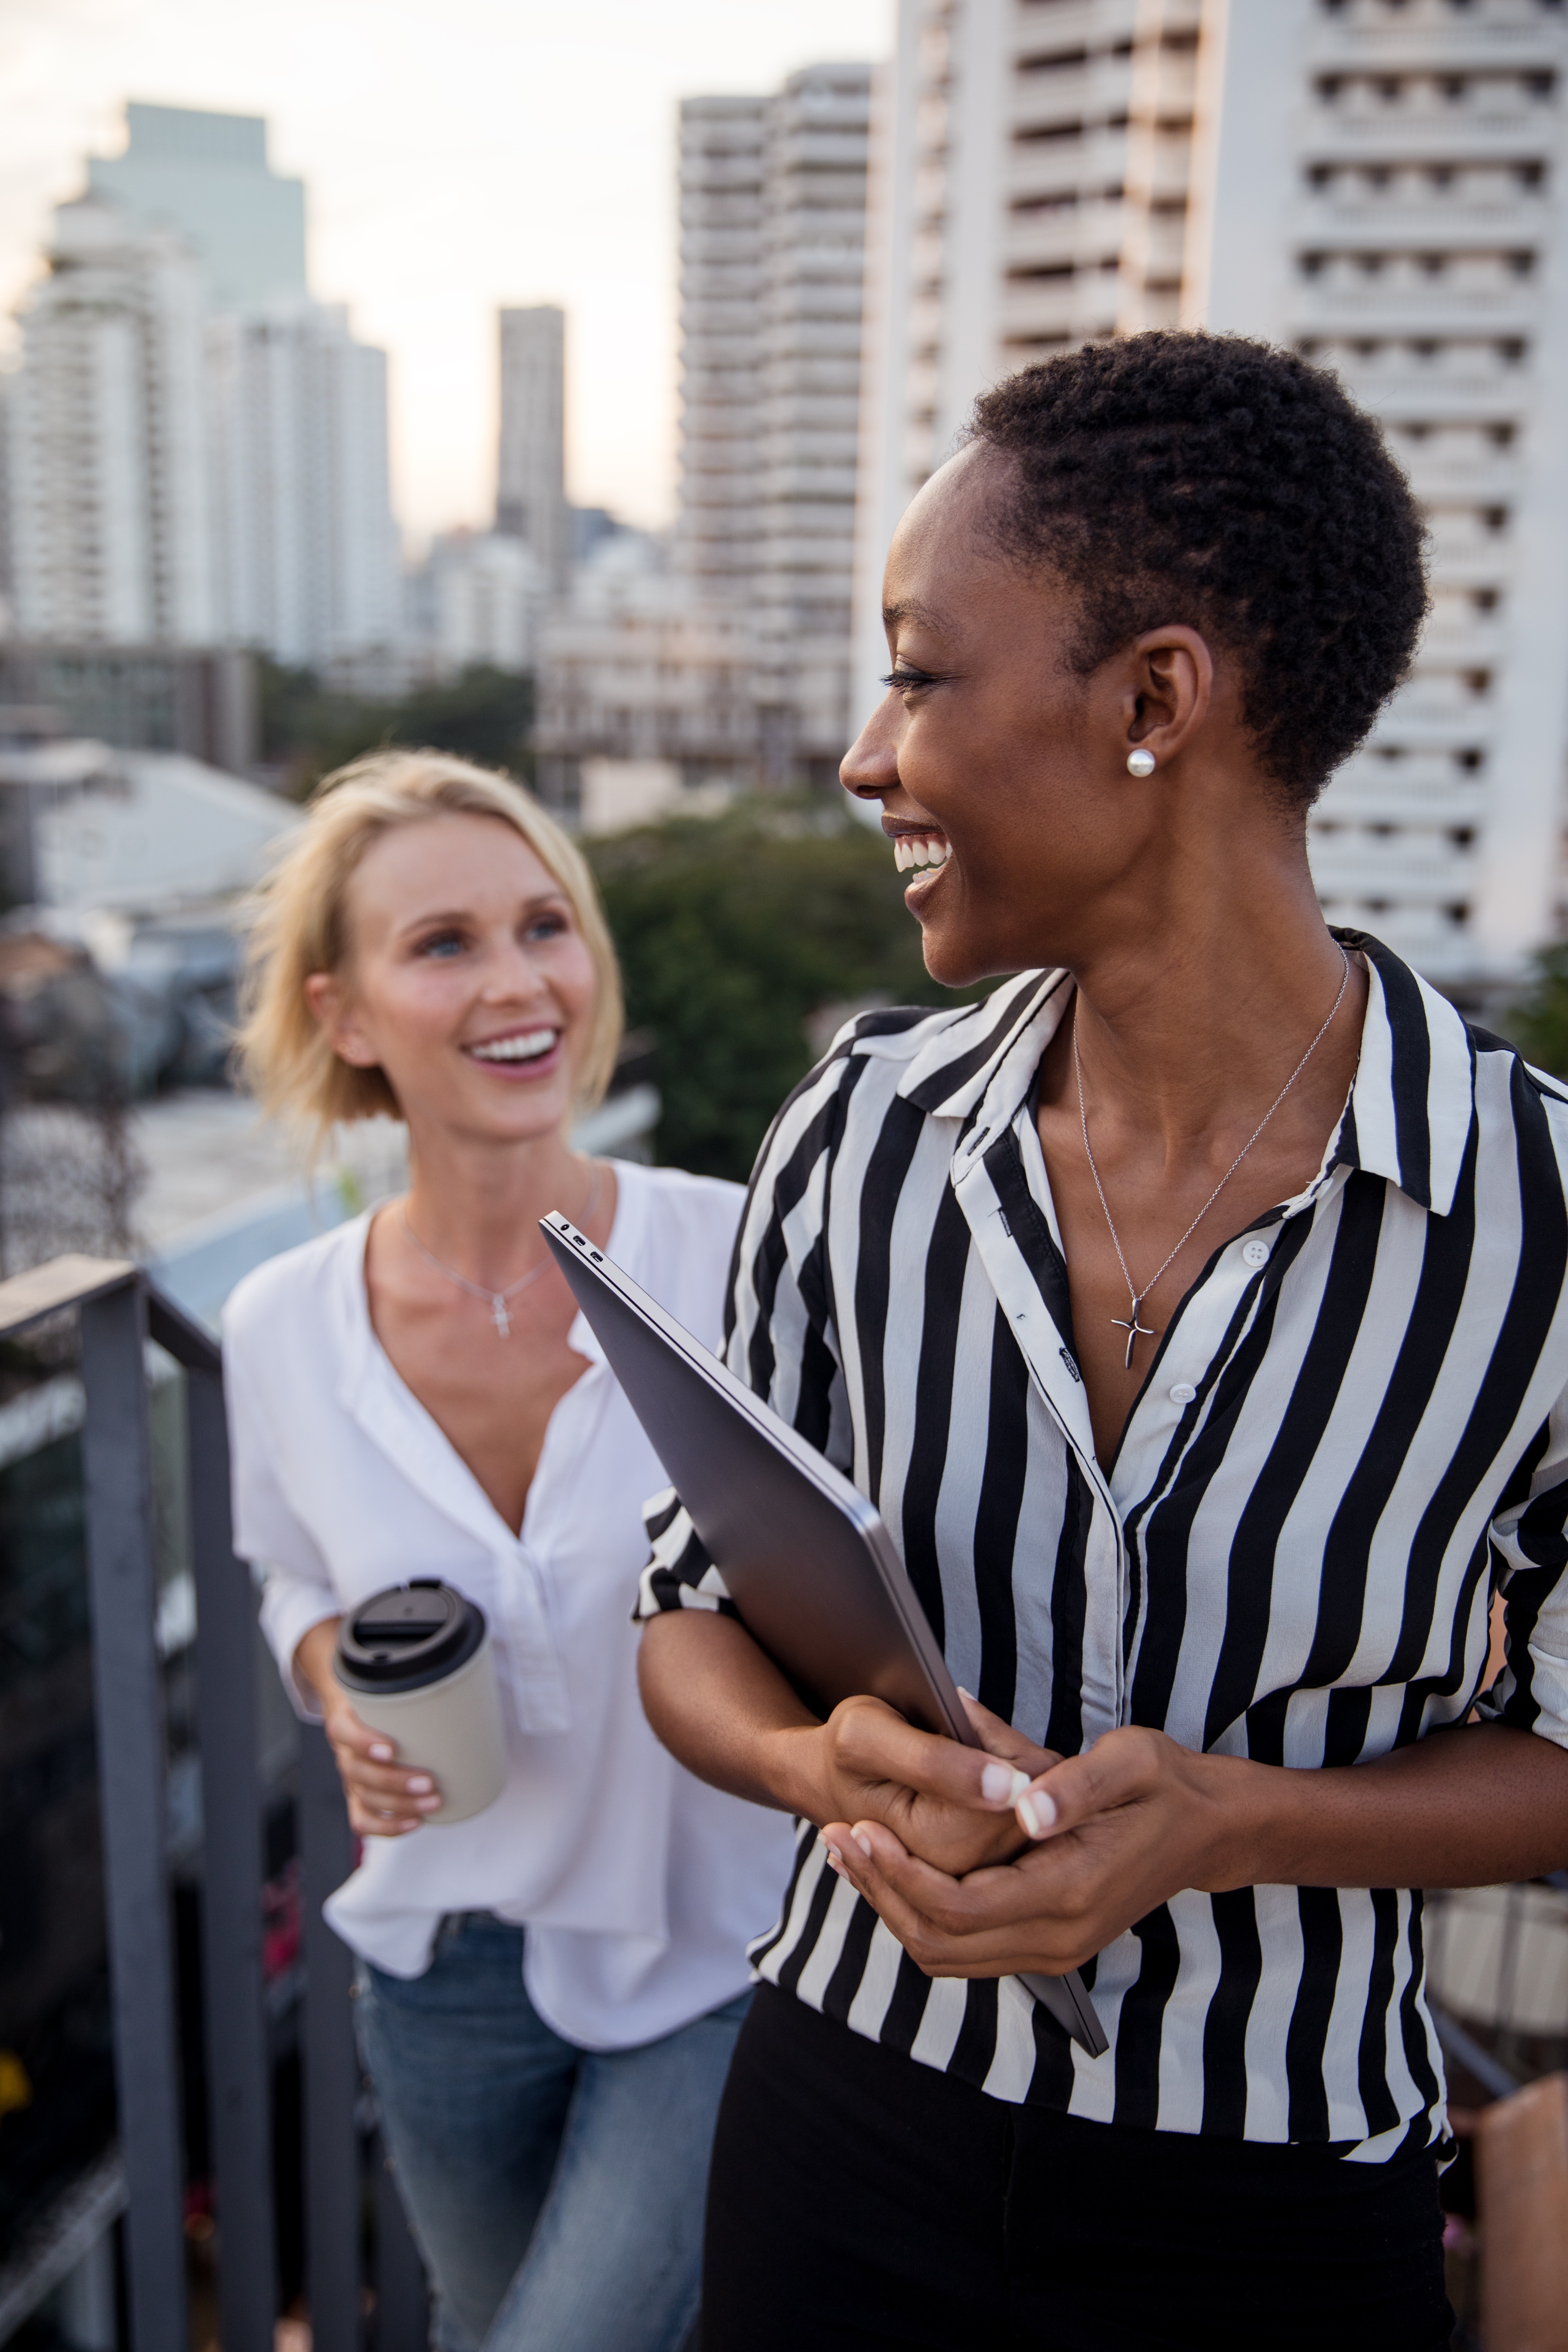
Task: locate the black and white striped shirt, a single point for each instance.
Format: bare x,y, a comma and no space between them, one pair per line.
1354,1428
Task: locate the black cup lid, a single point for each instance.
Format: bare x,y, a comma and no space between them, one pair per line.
408,1636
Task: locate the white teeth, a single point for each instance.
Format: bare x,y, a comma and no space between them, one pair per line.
917,849
527,1047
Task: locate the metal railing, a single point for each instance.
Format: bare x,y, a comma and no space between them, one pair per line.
119,1310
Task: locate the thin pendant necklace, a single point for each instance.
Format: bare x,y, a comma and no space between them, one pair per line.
1130,1323
497,1300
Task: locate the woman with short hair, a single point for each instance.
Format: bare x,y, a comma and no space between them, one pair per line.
1194,1311
548,1991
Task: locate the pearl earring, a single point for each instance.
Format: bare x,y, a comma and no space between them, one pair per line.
1141,763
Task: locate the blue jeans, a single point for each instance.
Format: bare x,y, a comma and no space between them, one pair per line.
556,2193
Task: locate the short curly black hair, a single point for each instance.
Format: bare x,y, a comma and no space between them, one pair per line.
1211,479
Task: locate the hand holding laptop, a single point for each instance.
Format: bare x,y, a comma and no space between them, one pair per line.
951,1806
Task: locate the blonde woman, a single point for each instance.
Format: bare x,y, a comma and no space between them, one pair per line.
549,1992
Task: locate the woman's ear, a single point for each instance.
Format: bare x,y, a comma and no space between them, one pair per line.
333,1008
1170,690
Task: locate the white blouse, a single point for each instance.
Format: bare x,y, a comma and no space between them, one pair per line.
638,1886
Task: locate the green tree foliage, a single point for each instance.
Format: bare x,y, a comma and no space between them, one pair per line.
1539,1025
483,714
731,932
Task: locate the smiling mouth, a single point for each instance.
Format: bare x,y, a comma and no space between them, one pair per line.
917,849
521,1046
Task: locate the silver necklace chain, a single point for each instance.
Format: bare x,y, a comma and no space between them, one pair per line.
497,1300
1133,1328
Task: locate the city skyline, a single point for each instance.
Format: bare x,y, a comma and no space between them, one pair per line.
522,199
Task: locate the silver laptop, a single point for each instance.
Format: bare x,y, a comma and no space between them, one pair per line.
806,1557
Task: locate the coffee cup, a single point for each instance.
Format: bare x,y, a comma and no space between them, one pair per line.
417,1663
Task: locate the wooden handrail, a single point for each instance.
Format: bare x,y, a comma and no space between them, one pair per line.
63,1282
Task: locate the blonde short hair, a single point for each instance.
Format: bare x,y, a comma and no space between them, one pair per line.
297,927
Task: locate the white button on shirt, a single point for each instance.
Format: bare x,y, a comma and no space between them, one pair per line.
638,1886
1183,1393
1255,1253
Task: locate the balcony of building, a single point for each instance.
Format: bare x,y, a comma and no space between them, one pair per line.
1475,380
1070,308
1413,35
1433,89
1073,25
1429,295
1087,229
1060,87
1395,136
1425,201
1431,932
1387,785
1411,864
1055,159
1453,245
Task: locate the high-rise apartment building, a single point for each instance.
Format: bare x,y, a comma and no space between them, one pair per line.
305,547
772,212
1380,184
1409,228
196,450
721,143
105,447
531,469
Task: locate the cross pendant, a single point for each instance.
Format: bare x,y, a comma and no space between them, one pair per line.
1134,1330
504,1320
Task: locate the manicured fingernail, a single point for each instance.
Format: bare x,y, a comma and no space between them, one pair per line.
1038,1812
835,1860
420,1784
381,1753
426,1804
1003,1784
863,1841
968,1695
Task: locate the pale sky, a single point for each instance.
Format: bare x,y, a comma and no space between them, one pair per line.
457,154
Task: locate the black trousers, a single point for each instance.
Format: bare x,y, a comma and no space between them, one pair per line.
857,2199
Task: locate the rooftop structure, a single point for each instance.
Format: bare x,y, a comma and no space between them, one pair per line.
206,177
139,830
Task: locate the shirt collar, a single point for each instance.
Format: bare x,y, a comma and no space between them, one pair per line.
1003,1037
1411,1108
1408,1119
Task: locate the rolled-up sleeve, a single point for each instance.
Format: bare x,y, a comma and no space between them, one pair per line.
679,1574
1529,1549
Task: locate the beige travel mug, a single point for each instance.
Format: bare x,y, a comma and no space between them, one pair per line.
417,1663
